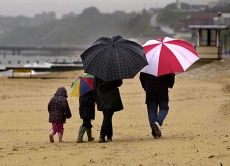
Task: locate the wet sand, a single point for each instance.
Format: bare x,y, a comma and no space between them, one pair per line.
195,132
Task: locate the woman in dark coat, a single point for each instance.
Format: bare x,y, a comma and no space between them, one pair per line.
59,110
108,99
87,113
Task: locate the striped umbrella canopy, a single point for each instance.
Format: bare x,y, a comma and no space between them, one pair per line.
82,84
167,55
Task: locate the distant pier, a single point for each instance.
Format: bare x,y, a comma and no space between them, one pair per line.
55,49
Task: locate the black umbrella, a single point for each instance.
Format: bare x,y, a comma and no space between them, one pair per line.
114,58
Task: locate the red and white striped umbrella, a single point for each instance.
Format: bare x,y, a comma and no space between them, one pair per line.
167,55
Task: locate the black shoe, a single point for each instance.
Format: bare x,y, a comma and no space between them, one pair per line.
109,139
101,140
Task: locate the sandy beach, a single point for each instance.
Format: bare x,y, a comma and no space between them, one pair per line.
195,132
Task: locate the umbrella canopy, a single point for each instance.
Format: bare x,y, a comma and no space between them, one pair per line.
82,84
114,58
167,55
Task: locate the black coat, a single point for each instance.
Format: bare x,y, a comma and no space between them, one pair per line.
156,88
87,106
107,95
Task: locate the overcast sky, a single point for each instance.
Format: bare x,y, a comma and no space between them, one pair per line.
31,7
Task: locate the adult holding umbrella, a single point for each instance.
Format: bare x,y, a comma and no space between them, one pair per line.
156,89
108,99
165,57
110,60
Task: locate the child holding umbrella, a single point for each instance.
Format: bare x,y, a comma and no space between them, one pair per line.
87,113
83,88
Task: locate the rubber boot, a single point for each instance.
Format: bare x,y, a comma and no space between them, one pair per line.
81,134
89,134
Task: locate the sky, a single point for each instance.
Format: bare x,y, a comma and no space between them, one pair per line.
31,7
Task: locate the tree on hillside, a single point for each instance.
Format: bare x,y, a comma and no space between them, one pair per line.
83,29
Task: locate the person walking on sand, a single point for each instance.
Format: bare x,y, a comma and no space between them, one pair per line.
59,110
87,113
108,100
156,89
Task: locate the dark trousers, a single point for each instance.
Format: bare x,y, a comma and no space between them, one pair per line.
107,126
87,123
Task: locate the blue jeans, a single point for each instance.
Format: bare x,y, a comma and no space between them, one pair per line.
155,115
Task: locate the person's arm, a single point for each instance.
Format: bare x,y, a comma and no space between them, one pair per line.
87,99
142,80
68,113
95,89
171,80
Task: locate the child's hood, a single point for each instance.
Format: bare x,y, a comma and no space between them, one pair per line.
61,91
